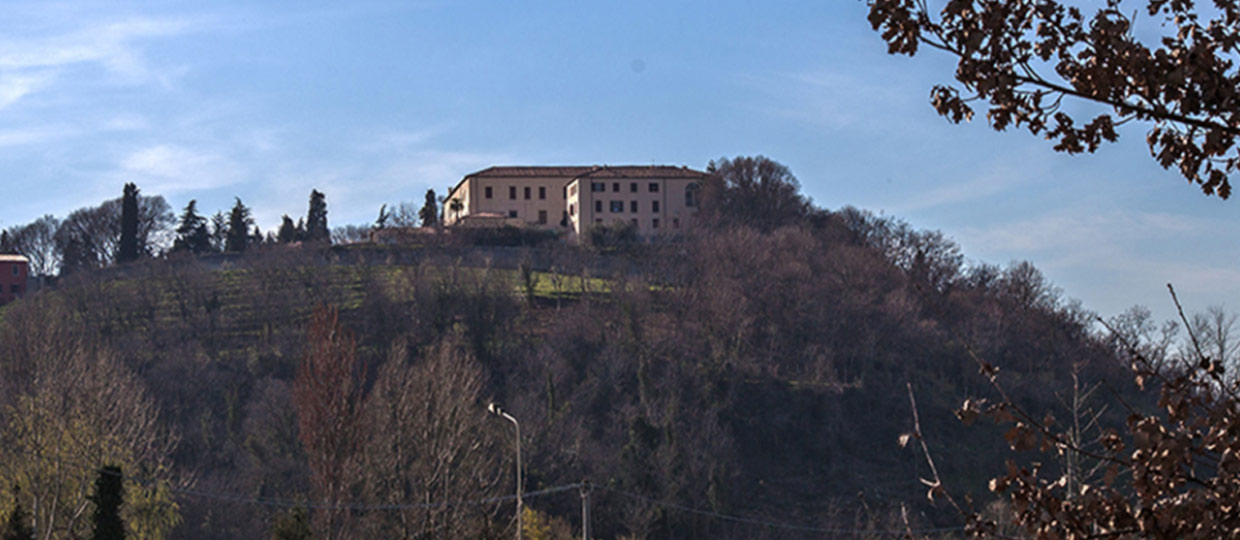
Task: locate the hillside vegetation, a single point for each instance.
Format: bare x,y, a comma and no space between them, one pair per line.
750,380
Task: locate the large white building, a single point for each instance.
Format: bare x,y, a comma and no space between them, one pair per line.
655,199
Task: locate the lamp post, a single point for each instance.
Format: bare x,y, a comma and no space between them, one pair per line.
494,409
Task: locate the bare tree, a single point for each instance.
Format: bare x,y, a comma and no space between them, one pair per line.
1215,331
37,241
329,394
78,409
430,443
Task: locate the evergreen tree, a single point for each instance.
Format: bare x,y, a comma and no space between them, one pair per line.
238,236
256,239
382,220
15,528
288,231
316,218
219,232
108,498
192,233
430,210
129,249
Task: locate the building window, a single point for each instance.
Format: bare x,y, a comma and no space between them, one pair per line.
487,191
542,192
14,289
512,213
17,271
598,206
572,210
632,187
617,207
654,187
572,191
634,222
675,223
654,206
691,195
633,206
527,193
655,224
542,217
598,220
615,187
598,187
512,192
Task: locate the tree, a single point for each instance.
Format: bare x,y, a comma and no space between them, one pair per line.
109,497
72,406
329,394
350,234
237,239
430,440
37,241
1025,57
219,232
288,231
292,525
430,210
384,215
754,191
128,250
91,237
316,218
15,526
192,233
456,206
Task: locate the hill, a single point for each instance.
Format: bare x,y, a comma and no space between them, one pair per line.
742,372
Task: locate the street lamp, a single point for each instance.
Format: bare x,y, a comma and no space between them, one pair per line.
500,412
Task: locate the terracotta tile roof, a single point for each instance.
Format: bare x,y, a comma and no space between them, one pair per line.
531,171
641,171
596,171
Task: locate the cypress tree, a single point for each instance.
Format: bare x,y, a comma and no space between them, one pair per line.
129,249
316,218
108,498
430,210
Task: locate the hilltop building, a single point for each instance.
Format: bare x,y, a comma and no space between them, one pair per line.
655,199
14,277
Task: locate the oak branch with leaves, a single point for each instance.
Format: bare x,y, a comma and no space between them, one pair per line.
1024,57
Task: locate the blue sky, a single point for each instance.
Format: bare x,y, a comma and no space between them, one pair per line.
374,102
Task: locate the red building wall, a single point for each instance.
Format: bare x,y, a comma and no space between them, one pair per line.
14,277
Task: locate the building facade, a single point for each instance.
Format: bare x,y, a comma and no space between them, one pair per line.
14,277
655,199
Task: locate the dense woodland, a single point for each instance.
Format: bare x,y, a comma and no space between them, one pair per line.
760,367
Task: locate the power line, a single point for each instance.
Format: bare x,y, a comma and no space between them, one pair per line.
290,503
776,524
321,505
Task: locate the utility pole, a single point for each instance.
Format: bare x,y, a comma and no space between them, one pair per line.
520,506
585,509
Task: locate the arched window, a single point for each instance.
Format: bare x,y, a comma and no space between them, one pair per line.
691,195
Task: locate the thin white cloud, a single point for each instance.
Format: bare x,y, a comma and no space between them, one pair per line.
30,64
170,170
15,86
1080,232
